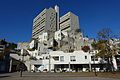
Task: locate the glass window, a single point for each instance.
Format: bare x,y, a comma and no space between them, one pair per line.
61,58
72,58
85,57
56,58
94,58
38,54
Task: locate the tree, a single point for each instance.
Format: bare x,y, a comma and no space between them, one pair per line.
105,34
7,48
105,48
4,53
85,48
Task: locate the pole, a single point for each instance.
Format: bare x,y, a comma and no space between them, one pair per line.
90,66
21,63
49,64
94,66
69,66
21,66
20,69
10,65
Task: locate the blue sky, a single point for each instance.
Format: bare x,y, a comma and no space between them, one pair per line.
16,16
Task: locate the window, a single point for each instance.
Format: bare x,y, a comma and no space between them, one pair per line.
47,57
56,58
44,37
65,28
65,20
72,58
1,47
61,58
105,59
43,14
39,54
40,58
36,54
85,57
75,37
58,35
94,58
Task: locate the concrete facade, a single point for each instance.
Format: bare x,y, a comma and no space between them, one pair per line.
57,44
44,22
23,45
58,61
69,22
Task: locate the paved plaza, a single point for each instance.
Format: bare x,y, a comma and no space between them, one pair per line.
48,76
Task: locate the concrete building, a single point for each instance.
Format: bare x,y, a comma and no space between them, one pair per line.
23,45
69,41
76,61
57,18
57,42
2,47
44,22
69,22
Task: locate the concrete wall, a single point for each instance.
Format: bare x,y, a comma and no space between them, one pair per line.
69,22
44,22
22,45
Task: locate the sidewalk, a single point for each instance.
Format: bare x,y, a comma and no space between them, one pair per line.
60,76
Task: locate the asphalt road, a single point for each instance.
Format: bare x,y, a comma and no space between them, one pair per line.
48,76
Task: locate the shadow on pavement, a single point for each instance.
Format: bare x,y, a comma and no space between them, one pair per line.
4,76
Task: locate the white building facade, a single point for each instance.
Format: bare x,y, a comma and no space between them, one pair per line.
44,22
57,42
69,22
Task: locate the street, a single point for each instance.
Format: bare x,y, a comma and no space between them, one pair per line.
49,76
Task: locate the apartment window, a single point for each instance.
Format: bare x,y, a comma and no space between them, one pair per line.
40,58
1,47
39,54
61,58
105,59
85,57
65,20
56,58
72,58
36,54
44,37
66,28
58,35
94,58
47,57
43,14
